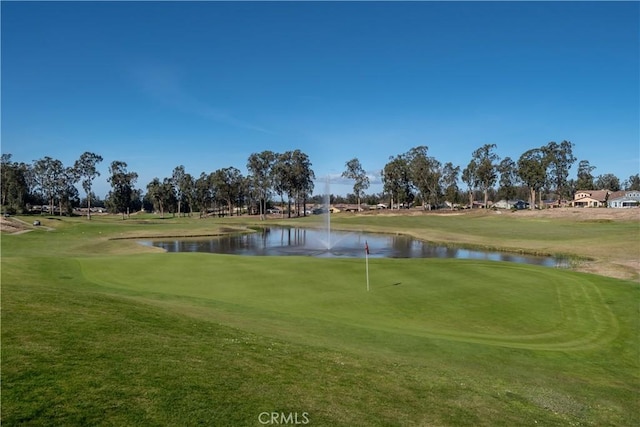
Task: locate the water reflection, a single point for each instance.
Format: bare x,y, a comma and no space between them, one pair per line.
282,241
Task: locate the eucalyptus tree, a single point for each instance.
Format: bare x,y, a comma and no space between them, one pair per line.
508,170
607,181
14,183
87,171
123,193
67,192
355,171
470,177
425,173
170,190
227,182
303,177
260,167
486,161
585,178
252,197
283,177
633,183
559,159
203,194
47,174
180,185
189,191
156,192
396,180
532,169
450,175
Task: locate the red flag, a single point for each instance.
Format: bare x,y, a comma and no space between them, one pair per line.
366,247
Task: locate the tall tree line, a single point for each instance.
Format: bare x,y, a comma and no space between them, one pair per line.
413,176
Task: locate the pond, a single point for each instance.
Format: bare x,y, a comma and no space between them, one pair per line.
283,241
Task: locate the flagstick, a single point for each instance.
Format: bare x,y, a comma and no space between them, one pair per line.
366,257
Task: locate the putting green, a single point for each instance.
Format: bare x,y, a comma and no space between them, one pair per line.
492,303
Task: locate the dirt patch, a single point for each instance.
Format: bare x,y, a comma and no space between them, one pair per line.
579,214
585,214
11,226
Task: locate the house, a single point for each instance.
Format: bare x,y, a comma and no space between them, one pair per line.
511,204
624,199
590,198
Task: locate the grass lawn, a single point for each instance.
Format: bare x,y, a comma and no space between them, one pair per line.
97,331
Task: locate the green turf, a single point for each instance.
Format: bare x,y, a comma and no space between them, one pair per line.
96,333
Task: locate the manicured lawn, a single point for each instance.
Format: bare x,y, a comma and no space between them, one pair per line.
105,332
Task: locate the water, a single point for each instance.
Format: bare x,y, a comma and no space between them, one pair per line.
284,241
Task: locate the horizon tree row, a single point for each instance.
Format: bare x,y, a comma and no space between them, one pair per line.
408,177
542,170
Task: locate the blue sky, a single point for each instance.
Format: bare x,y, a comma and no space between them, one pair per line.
205,84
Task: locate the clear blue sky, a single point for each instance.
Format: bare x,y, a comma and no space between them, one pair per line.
205,84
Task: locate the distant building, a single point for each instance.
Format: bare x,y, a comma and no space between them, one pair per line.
511,204
624,199
590,198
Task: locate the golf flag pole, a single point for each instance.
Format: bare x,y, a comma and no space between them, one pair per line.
366,257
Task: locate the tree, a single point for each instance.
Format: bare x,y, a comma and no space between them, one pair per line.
450,182
470,177
532,170
396,181
169,191
283,177
14,183
188,188
585,178
633,183
607,181
508,171
260,167
86,170
559,159
203,194
122,192
47,174
227,184
486,168
67,192
355,171
303,177
425,173
179,186
156,192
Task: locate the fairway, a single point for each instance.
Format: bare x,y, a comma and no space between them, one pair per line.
99,331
